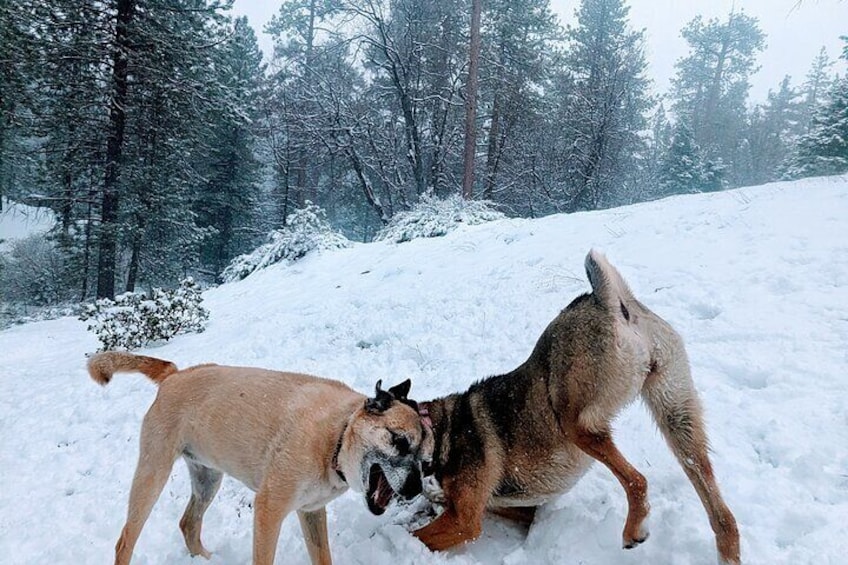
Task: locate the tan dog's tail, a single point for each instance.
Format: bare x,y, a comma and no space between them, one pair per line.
607,283
102,366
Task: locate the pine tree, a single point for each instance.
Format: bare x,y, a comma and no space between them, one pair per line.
605,110
519,55
712,83
818,81
13,80
683,169
177,93
290,108
773,130
471,91
658,141
824,150
225,202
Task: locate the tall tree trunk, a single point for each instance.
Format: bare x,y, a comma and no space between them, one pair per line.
132,275
107,258
86,256
67,205
471,102
372,199
493,151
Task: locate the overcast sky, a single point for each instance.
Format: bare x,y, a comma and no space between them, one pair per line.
795,31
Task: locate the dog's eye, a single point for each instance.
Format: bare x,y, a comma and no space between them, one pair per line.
401,444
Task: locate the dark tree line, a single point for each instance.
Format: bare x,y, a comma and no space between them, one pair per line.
166,147
132,119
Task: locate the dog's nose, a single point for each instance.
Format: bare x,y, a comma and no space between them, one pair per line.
412,486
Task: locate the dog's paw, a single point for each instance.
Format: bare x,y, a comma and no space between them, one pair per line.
433,490
642,534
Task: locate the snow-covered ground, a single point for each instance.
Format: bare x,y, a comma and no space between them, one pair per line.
756,280
17,221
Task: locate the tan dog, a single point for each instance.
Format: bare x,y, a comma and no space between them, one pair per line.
514,441
297,441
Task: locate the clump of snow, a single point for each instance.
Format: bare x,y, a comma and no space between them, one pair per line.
754,279
135,319
306,230
435,217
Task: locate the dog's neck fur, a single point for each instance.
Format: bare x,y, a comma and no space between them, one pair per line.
436,414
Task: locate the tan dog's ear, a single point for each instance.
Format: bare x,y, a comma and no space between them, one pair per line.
402,390
381,402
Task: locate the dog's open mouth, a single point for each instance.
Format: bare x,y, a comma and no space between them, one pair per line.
380,492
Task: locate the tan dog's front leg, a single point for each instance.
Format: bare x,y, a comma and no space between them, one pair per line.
156,457
462,520
314,527
269,509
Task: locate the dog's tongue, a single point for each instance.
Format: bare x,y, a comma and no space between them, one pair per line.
383,493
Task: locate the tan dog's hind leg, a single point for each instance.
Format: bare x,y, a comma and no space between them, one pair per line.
600,446
672,399
156,457
314,527
205,483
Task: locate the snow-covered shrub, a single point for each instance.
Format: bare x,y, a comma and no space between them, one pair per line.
434,217
33,273
135,319
306,230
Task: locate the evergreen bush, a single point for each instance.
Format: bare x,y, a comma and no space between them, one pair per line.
435,217
134,319
306,230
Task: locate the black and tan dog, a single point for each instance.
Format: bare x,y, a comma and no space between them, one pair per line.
297,441
514,441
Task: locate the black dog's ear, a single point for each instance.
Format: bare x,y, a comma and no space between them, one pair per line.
382,400
402,390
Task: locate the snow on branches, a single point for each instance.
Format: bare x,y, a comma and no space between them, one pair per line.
434,217
306,230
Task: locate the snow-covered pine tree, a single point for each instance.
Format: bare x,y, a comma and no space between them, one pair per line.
712,82
817,83
824,150
773,130
605,109
519,58
682,169
226,200
15,75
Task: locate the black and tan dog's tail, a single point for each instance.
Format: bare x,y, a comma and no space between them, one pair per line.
607,283
102,366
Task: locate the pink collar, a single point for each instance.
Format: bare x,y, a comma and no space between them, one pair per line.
424,413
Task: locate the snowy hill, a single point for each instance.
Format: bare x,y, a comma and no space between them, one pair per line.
755,279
